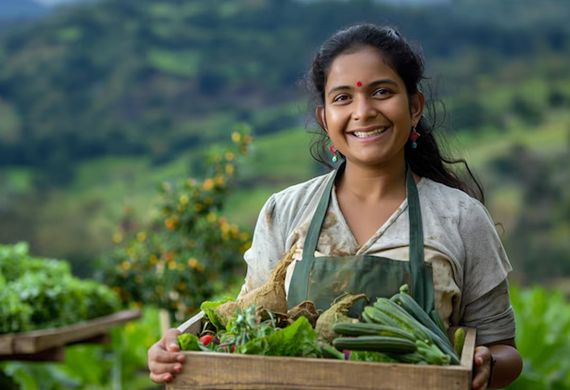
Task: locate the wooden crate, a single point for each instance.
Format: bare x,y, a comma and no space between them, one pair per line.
47,344
211,370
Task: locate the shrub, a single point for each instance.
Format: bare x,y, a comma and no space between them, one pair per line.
190,251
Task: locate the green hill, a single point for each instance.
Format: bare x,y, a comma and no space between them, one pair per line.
102,102
159,77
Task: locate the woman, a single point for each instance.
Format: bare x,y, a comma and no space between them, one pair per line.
392,211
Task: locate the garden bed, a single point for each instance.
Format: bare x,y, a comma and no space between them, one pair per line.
209,370
47,344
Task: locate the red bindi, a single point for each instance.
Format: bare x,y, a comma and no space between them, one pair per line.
359,84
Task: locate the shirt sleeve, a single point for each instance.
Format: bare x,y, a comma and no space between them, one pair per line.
267,247
485,302
492,315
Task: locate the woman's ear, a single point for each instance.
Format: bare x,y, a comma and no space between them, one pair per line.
417,107
321,117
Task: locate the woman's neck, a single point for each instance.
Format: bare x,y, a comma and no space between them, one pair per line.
371,184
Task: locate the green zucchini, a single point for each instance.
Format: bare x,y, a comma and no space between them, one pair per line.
410,305
366,329
373,315
412,325
375,343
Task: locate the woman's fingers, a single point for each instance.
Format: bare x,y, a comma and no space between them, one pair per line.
160,378
171,340
161,356
166,368
164,358
482,362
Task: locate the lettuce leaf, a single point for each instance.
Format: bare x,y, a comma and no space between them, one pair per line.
371,356
210,309
297,339
189,342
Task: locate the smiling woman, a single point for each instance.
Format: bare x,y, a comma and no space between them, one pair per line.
369,124
391,212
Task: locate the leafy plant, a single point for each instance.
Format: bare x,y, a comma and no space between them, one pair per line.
189,251
39,293
543,326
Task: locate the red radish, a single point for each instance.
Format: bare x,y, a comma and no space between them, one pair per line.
206,339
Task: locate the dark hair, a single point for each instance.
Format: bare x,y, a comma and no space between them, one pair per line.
426,160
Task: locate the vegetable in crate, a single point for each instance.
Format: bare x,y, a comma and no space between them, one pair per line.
335,314
189,342
390,328
306,309
459,341
422,321
270,296
246,333
297,339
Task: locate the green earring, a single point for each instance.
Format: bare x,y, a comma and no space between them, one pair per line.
334,152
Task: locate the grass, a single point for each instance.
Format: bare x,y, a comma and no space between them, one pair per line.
550,137
281,156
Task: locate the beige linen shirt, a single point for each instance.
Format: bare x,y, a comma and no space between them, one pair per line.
469,263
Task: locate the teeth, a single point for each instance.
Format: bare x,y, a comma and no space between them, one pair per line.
362,134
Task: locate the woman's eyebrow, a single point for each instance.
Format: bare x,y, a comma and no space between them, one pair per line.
382,81
372,84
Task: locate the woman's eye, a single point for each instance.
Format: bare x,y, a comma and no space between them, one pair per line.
382,92
340,98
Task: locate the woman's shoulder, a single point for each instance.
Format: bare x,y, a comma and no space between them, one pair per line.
301,192
453,204
447,196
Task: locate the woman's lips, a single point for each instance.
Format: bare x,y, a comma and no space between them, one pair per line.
369,135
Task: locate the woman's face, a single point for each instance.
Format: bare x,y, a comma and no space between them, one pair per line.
367,113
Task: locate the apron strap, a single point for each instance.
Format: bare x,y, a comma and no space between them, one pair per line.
421,283
300,278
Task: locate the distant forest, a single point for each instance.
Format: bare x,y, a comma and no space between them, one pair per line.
157,77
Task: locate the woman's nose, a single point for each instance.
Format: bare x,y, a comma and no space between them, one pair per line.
363,109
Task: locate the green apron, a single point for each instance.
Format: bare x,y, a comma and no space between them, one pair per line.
322,279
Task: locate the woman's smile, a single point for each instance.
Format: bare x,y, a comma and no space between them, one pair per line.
371,133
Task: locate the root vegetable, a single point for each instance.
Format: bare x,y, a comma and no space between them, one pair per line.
306,309
271,295
336,313
268,297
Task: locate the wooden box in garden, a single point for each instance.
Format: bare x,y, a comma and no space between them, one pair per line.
211,370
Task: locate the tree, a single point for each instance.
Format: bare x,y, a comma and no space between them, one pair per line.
190,251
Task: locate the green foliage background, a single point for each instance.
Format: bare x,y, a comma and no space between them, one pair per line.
102,102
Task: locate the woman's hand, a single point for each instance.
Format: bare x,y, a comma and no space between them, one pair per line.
164,358
482,368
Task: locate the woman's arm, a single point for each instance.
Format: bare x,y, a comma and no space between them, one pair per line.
506,368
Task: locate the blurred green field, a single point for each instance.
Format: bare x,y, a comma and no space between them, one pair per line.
276,161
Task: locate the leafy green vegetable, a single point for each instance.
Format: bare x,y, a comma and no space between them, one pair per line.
189,342
298,339
370,356
210,309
